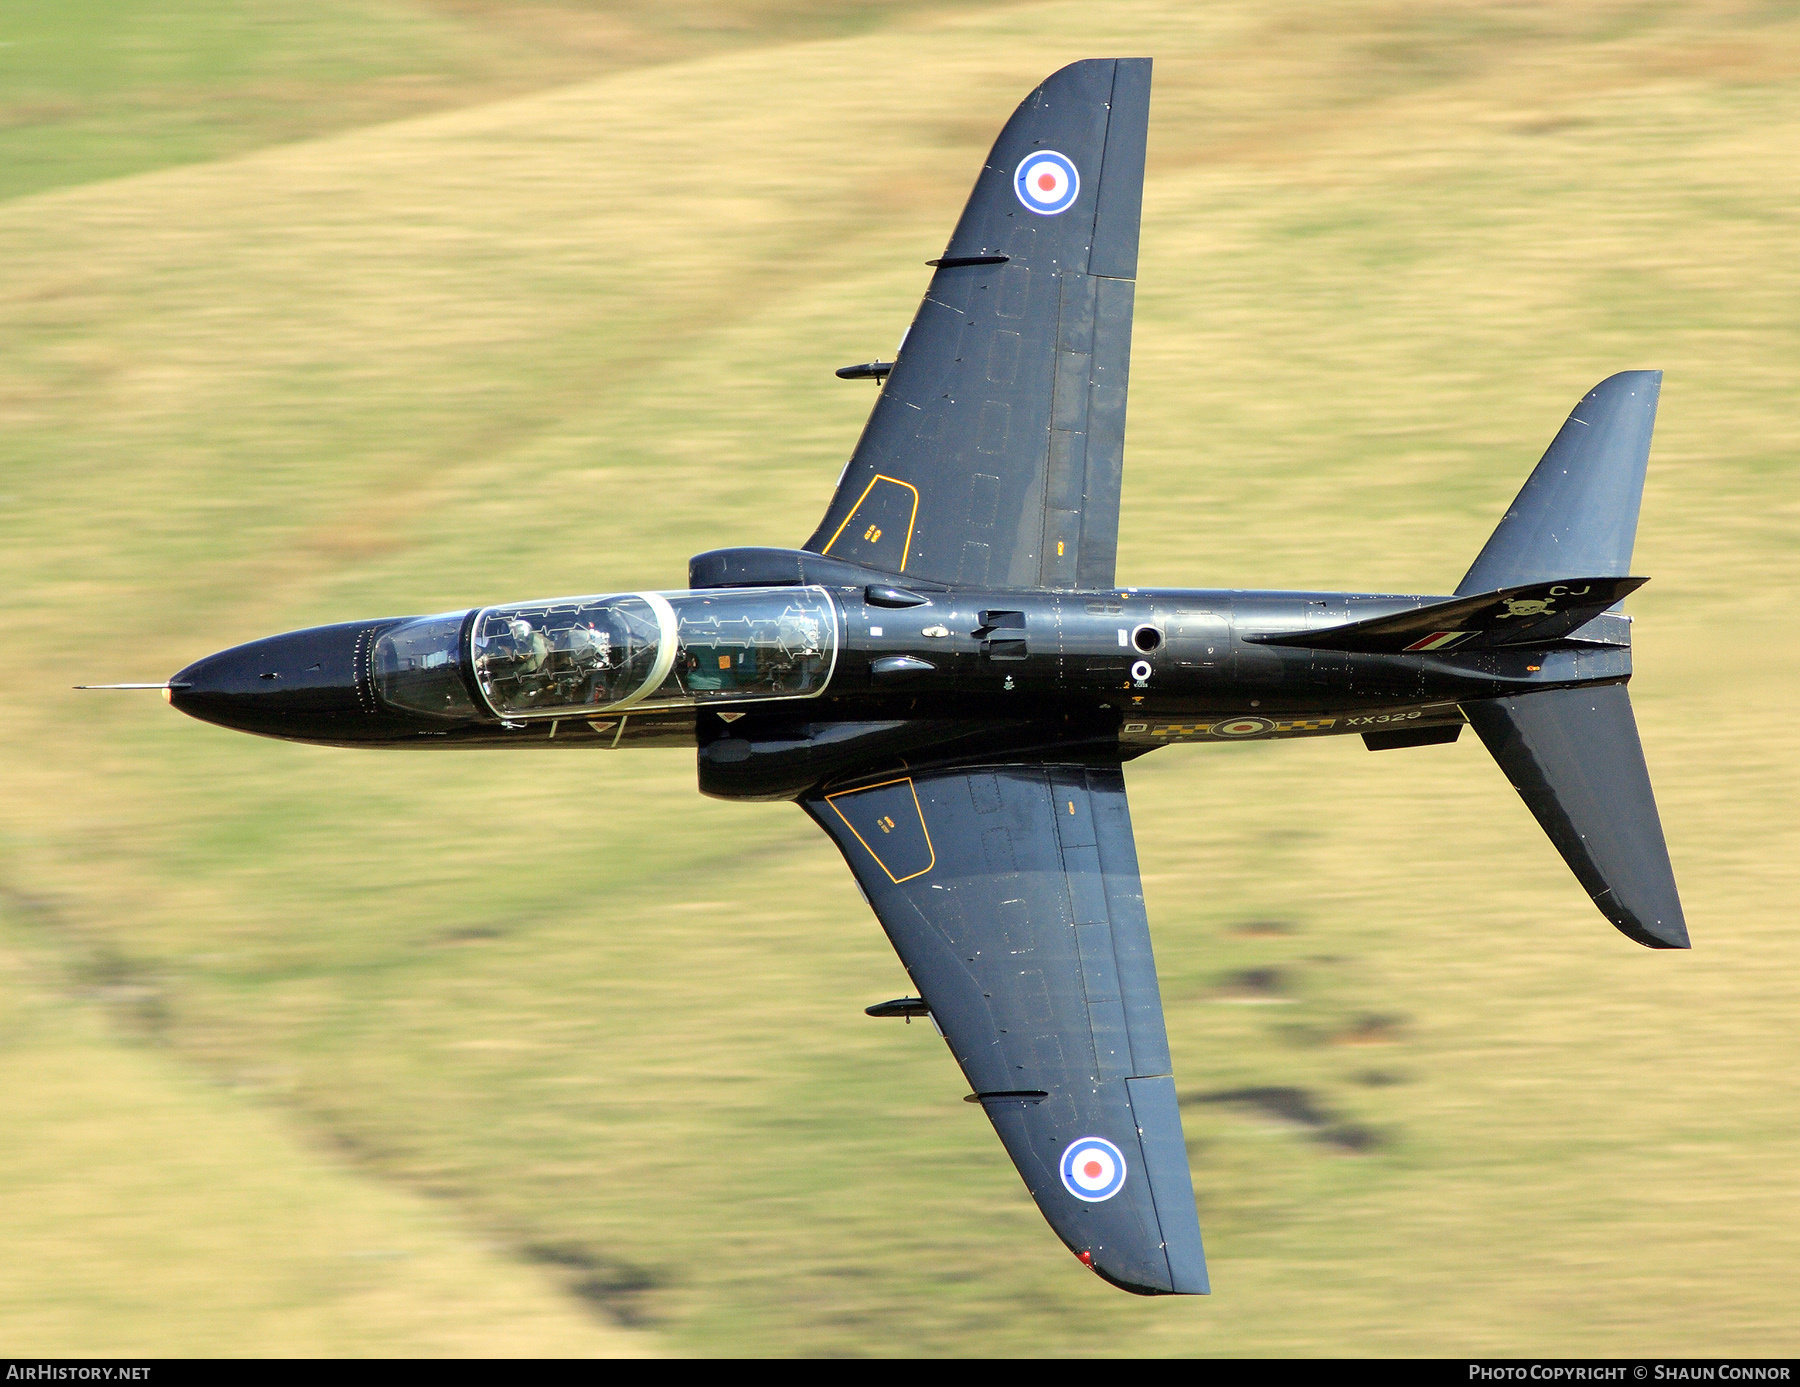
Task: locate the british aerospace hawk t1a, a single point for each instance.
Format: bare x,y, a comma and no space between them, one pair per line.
947,678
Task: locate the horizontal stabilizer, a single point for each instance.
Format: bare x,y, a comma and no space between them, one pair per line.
1574,757
1531,615
1578,511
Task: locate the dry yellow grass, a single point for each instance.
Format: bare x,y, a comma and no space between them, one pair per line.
151,1213
559,343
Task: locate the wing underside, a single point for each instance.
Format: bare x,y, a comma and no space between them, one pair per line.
1011,894
995,450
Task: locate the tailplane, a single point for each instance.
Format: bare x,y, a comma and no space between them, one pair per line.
1578,511
1573,753
1574,757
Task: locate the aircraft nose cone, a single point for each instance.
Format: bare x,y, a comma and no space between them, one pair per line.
302,684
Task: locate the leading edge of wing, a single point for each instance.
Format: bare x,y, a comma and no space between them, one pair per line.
1011,894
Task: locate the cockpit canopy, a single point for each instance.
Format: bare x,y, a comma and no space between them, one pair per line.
418,666
577,655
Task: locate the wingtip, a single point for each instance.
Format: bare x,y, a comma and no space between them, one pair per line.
1138,1287
1660,934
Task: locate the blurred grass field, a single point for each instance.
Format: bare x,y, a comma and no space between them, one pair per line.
313,1051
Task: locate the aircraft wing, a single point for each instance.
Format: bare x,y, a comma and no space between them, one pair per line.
994,452
1011,894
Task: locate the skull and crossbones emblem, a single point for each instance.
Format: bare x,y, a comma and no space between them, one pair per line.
1527,606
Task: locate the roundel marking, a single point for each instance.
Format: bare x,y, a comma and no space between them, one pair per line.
1093,1169
1047,182
1242,727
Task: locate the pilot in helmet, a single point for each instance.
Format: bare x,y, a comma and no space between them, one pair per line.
530,649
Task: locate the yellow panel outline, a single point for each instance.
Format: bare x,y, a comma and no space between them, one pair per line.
904,553
905,780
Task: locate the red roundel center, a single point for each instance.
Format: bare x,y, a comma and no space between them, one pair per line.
1047,181
1091,1170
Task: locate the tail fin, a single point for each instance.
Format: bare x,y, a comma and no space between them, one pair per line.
1574,757
1578,511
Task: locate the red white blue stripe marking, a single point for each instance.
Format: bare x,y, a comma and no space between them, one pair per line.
1437,640
1093,1169
1047,182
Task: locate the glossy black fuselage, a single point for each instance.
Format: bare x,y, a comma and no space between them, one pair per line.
956,674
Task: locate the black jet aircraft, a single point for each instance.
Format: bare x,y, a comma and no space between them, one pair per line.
948,679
